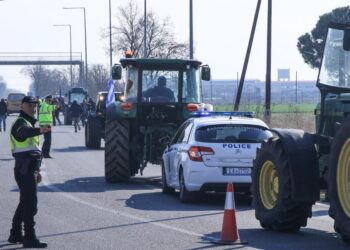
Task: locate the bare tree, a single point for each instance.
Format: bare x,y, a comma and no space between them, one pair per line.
46,81
160,41
97,79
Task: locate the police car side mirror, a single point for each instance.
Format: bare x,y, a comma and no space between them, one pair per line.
165,141
116,72
205,73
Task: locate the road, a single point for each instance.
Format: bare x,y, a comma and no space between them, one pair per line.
78,210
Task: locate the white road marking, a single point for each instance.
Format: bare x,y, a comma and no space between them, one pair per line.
46,181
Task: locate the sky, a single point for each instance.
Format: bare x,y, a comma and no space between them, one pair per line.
221,32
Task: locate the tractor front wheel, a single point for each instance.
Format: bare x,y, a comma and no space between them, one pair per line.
339,181
117,148
93,133
271,185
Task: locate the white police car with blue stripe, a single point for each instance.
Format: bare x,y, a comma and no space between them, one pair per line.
208,152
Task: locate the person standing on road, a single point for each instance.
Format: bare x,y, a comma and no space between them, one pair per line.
45,118
3,113
91,104
24,139
76,111
56,112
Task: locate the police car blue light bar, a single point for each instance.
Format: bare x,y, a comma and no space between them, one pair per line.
222,113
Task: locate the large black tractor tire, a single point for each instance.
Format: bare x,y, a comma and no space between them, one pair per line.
271,186
165,188
93,133
339,181
67,118
117,151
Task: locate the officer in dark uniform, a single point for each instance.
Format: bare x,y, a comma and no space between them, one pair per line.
25,149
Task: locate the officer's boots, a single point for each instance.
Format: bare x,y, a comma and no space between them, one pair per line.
30,239
16,235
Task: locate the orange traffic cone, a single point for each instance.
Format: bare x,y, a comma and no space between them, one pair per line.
229,233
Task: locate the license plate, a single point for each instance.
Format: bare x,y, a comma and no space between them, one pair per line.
237,171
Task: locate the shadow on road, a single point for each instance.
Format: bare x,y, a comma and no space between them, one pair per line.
73,149
264,239
163,202
7,159
95,185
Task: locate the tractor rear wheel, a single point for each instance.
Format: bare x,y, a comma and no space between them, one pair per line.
271,185
117,148
339,181
93,133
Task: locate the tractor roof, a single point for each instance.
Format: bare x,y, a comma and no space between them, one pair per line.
159,64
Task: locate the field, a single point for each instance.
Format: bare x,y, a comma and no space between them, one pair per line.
297,116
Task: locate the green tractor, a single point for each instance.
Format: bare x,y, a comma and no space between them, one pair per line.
159,95
292,168
96,120
78,94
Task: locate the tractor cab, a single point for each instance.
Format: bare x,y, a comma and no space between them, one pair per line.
168,87
334,80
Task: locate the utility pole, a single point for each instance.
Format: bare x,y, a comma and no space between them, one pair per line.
191,29
246,60
86,63
296,87
268,64
145,30
110,36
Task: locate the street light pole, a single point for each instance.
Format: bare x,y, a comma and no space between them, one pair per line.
145,30
86,62
191,29
110,35
70,49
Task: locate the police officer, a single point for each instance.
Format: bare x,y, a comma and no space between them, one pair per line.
45,118
25,149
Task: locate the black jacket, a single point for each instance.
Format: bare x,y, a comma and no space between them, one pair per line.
21,131
76,110
3,108
163,93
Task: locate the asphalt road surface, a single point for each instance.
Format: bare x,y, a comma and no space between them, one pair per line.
78,210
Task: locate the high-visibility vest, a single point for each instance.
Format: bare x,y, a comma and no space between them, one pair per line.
29,144
45,113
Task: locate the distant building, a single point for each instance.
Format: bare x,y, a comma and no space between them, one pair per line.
283,75
224,92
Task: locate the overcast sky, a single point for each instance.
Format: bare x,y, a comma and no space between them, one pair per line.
221,32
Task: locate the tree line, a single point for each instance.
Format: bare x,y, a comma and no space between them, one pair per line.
161,42
127,34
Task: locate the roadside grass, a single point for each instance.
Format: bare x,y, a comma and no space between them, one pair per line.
275,108
296,116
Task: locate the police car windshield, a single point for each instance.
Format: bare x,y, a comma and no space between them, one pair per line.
230,133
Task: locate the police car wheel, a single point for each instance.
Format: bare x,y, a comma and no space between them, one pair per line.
185,195
165,188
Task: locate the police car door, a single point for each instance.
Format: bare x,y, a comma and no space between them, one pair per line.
180,149
170,152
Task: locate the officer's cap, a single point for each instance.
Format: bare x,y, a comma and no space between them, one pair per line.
48,97
29,99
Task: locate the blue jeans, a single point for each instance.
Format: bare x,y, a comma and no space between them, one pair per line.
3,121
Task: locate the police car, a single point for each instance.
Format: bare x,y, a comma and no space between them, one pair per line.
208,152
